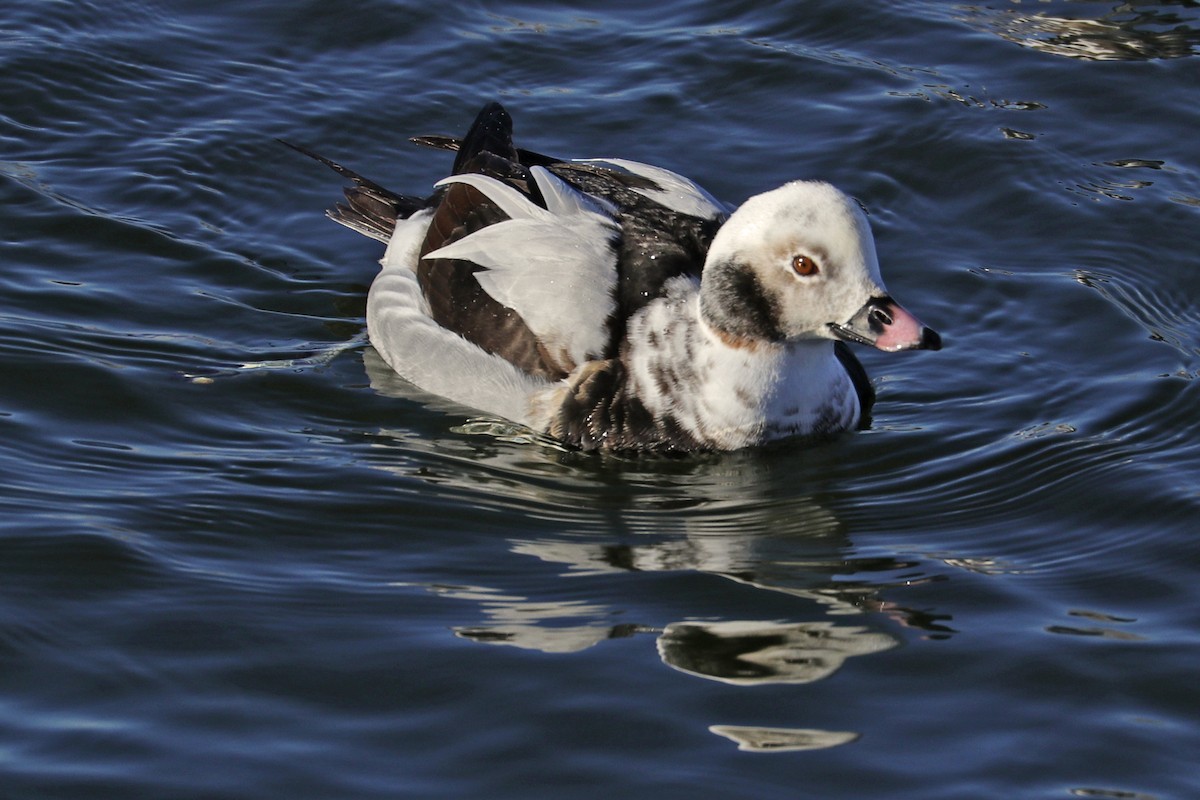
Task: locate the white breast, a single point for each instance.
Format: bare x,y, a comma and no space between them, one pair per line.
732,397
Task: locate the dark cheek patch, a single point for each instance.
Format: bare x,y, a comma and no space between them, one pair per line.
739,305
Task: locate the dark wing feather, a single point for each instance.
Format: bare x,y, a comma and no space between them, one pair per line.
657,243
491,132
456,299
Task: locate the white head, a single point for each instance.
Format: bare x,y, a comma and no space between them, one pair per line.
799,263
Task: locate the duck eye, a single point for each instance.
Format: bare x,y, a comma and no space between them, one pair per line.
805,265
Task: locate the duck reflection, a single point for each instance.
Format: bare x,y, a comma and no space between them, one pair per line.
777,740
562,627
737,517
1129,31
739,652
804,556
748,653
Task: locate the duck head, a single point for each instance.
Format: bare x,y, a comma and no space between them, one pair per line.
799,263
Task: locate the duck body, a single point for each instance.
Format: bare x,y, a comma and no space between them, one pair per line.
618,306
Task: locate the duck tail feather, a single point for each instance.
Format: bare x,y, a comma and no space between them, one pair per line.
371,209
491,132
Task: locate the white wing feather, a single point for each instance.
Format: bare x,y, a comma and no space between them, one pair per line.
427,354
554,266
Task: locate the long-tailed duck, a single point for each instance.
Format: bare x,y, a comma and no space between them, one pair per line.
616,305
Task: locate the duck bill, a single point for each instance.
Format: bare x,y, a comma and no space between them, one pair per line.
885,324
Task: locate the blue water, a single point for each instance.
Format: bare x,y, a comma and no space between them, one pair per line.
241,560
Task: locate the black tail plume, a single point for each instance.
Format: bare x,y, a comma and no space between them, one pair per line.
372,210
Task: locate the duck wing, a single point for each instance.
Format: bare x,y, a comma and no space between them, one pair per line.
515,261
552,266
667,220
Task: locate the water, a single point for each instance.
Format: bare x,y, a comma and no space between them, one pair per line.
305,579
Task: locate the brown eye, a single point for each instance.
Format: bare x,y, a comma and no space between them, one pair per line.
804,265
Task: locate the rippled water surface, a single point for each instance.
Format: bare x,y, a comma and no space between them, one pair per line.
241,560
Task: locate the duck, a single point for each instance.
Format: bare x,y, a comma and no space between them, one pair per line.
612,305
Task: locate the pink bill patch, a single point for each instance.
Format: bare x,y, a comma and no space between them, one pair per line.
903,333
